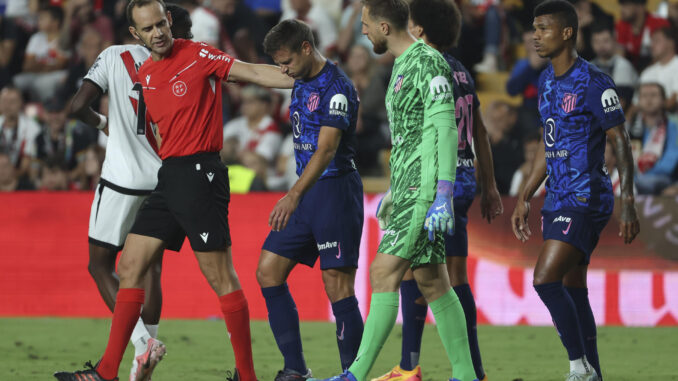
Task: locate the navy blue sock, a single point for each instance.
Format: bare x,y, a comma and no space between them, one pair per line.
469,305
284,320
349,329
580,296
414,318
564,315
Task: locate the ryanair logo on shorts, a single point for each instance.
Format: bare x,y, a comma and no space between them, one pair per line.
440,88
204,53
327,245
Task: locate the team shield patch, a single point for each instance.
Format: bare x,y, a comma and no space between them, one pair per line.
313,101
569,102
398,84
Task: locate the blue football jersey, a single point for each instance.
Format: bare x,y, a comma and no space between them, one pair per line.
327,99
576,109
465,102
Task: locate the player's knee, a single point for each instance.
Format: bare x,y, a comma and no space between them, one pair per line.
338,285
267,277
383,280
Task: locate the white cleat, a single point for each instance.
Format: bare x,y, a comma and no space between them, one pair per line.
590,376
143,365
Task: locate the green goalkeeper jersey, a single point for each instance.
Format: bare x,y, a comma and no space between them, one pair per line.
418,90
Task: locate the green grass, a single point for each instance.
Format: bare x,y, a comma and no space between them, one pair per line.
32,349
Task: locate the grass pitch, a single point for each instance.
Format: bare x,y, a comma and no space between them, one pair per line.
32,349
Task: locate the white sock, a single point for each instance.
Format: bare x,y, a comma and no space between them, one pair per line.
140,338
580,366
152,330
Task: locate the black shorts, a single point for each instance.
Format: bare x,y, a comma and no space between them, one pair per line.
190,200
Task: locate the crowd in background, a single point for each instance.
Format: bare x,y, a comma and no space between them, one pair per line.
47,47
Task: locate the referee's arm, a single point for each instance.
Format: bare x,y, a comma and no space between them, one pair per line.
260,74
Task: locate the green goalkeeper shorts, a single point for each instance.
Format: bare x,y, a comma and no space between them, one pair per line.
406,238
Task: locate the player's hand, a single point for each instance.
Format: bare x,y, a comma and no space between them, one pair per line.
519,221
384,210
282,212
490,204
440,216
629,226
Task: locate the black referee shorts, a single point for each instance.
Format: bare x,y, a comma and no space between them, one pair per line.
190,200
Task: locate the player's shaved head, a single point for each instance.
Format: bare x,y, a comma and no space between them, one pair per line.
138,4
394,12
439,19
563,12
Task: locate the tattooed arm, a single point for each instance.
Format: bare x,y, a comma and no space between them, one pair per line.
628,224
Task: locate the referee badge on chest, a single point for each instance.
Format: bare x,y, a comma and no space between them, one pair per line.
313,101
569,102
179,88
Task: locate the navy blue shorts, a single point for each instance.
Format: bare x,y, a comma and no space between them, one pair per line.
579,229
328,223
457,245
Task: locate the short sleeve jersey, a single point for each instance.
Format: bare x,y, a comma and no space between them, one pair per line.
132,159
419,87
328,99
576,109
465,102
183,96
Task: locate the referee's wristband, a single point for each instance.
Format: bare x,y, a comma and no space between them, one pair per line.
102,122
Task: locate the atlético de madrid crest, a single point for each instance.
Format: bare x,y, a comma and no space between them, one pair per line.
398,84
569,102
313,101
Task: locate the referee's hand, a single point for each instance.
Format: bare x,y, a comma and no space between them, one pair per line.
282,212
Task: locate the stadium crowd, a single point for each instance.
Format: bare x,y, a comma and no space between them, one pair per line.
47,47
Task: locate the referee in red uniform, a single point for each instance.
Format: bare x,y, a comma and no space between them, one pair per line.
181,84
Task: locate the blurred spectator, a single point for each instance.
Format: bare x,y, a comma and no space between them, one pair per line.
205,23
668,9
242,30
89,170
44,61
590,16
350,29
609,62
89,47
79,15
54,176
524,80
253,140
63,139
318,19
634,30
10,48
506,146
285,174
657,156
9,181
268,11
17,131
530,147
370,80
493,24
611,167
665,68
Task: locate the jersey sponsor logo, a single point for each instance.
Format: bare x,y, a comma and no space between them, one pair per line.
296,125
398,84
560,154
204,236
550,132
313,101
303,146
440,88
204,53
210,176
610,101
339,105
179,88
562,219
327,245
567,229
569,102
464,162
148,79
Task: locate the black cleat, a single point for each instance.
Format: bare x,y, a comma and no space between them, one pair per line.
89,374
292,375
233,376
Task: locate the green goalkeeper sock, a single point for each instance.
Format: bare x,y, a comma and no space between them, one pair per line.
380,322
451,324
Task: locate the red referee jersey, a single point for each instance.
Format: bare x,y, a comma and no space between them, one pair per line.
182,93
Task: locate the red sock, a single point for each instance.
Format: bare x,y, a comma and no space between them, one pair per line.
125,315
237,317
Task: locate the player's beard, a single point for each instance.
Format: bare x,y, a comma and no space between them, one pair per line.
380,46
